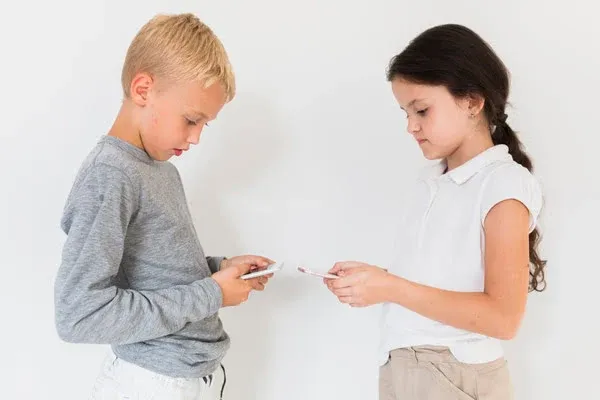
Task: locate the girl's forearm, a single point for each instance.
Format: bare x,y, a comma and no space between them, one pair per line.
472,311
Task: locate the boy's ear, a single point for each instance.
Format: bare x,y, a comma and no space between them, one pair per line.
140,88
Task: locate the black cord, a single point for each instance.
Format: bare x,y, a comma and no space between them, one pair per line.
224,380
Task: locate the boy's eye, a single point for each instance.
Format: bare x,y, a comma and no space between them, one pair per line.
193,123
422,112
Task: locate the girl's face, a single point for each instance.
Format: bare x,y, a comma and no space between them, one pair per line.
439,122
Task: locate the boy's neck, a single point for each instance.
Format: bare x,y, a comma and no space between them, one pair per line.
125,127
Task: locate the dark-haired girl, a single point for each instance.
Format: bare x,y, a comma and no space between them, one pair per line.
466,255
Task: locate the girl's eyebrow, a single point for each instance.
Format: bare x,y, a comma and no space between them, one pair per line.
411,103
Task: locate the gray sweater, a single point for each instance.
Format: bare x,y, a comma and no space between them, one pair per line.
133,273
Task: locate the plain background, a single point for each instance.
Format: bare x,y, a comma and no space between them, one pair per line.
305,166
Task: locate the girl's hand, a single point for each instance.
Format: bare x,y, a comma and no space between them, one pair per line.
360,284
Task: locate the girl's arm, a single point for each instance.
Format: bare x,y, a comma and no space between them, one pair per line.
497,312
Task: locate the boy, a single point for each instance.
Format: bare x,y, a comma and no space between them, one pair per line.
133,274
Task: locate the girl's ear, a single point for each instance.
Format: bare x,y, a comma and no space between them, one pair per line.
475,104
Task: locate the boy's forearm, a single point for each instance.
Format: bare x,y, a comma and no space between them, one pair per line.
112,315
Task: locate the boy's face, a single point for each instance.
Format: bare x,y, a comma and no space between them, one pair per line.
170,117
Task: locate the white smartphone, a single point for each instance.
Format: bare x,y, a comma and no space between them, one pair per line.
269,270
319,274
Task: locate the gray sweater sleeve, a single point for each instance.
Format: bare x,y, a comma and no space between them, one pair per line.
89,308
214,263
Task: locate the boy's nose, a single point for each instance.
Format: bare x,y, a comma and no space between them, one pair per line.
194,138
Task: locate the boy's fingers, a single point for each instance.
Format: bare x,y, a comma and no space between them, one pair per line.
244,268
239,269
254,261
259,261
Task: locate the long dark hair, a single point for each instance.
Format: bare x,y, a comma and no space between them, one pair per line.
454,56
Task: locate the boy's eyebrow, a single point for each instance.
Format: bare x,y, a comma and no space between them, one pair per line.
200,114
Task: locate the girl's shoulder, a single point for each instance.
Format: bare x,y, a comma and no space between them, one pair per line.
510,180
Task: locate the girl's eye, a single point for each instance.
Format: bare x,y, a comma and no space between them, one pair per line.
422,112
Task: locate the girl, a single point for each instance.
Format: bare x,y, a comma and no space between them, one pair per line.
466,254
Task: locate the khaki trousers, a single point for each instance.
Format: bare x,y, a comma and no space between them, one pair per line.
433,373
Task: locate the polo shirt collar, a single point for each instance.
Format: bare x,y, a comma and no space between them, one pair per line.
469,169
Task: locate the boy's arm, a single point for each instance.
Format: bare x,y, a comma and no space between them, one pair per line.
89,307
214,263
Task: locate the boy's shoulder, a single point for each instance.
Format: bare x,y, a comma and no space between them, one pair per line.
117,153
112,161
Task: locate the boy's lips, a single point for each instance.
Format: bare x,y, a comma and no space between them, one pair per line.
179,152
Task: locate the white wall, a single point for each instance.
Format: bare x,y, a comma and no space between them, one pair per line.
304,166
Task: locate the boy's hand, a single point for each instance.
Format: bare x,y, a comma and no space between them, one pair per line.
235,290
250,263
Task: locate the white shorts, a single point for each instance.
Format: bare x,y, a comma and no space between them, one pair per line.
121,380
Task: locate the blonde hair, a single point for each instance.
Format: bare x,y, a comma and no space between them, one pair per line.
178,47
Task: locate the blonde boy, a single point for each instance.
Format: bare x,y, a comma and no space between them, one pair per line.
133,274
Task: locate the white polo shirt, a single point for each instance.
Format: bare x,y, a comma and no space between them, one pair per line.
441,244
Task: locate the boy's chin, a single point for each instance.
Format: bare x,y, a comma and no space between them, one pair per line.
161,157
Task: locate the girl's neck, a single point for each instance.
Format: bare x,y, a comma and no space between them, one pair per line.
470,148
